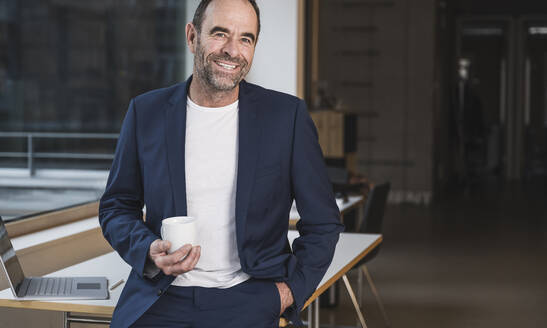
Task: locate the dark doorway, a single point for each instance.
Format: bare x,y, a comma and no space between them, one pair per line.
480,111
497,113
534,56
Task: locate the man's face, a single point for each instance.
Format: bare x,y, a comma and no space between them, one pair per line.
224,48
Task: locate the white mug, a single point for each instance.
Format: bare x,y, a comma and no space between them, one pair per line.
179,230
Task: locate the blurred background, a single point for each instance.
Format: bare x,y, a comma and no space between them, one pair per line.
444,99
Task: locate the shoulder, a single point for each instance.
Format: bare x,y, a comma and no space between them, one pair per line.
271,97
158,98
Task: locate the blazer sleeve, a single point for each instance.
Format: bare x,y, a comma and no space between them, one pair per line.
320,225
120,208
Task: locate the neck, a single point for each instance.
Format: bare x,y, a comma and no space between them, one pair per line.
203,95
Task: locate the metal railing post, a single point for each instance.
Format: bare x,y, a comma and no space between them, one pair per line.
30,155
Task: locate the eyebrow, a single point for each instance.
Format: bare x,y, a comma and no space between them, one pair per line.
225,30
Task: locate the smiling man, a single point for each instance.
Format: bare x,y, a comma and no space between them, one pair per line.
235,156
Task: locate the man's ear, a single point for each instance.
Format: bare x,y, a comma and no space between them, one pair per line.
191,35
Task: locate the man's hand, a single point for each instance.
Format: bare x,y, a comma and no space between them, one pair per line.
180,261
285,295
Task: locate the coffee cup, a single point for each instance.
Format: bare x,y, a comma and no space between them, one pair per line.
179,231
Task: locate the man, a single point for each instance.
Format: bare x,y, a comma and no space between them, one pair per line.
233,155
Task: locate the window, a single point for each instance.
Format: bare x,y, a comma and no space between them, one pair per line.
67,72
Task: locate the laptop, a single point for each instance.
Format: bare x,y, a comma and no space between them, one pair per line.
46,288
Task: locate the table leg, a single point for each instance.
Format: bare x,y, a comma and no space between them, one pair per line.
66,324
375,292
359,290
316,304
310,316
354,301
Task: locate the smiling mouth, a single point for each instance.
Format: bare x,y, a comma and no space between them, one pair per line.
226,65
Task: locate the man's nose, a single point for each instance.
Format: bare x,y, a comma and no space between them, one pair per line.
231,48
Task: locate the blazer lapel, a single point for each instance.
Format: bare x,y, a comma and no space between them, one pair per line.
249,134
175,121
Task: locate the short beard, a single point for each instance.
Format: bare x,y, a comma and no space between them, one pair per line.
218,82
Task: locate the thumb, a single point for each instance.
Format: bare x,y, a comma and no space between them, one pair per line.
164,245
159,246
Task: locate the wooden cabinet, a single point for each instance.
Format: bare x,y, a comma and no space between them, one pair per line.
337,134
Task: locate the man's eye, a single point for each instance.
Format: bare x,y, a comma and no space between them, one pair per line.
220,35
247,41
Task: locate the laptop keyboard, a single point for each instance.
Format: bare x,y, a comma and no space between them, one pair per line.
50,287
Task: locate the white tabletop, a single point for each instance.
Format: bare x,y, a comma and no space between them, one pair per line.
109,265
350,248
342,206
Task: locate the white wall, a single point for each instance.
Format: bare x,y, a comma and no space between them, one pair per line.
275,61
191,6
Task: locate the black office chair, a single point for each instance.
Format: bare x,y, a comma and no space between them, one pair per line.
371,222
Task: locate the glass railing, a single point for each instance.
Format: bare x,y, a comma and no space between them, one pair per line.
22,203
32,154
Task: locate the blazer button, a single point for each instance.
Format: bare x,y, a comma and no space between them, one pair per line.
159,292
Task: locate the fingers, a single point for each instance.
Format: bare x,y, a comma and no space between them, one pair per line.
159,246
285,295
182,260
188,264
170,259
196,257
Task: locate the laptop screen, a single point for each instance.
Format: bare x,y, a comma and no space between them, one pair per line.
9,260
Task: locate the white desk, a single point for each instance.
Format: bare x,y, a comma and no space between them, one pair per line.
117,270
350,249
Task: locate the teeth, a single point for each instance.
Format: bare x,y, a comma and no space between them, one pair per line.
226,65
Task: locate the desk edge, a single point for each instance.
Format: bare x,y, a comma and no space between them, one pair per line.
342,272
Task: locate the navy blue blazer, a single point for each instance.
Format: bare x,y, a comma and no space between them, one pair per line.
279,160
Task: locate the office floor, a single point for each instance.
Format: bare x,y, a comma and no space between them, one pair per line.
476,259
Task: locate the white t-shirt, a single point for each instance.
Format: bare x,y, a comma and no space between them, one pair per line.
211,153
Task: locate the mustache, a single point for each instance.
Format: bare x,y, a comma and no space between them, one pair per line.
239,61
